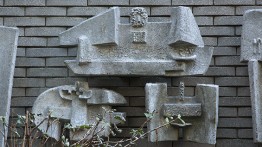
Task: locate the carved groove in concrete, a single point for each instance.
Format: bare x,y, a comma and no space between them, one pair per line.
251,51
200,113
107,47
8,47
78,105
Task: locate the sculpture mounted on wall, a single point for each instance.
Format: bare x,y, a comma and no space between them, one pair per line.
200,113
8,47
107,47
251,51
77,105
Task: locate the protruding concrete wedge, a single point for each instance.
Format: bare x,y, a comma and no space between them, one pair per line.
251,51
107,47
8,47
200,113
77,105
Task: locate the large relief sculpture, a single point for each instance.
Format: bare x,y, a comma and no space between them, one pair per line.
8,47
107,47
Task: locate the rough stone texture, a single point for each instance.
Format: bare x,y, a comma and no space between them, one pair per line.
8,47
106,47
251,52
200,111
78,105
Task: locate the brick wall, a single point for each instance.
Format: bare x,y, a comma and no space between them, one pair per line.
40,59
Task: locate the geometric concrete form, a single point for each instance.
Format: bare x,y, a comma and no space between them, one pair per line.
8,47
200,113
107,47
251,51
77,105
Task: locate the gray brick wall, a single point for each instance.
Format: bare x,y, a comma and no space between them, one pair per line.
40,66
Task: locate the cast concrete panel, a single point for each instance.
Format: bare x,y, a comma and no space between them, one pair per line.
107,47
8,47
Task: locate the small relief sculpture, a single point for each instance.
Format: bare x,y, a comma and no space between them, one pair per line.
138,17
79,106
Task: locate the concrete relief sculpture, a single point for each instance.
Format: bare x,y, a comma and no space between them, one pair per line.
200,113
251,52
77,105
107,47
8,47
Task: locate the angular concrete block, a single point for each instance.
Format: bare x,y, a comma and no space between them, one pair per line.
77,105
8,48
200,113
107,47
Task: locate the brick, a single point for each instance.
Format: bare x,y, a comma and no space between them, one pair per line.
53,41
63,21
66,2
226,133
30,62
192,81
1,21
24,2
17,111
240,10
108,2
241,71
189,144
125,11
234,101
239,30
220,71
29,82
234,2
46,52
53,82
192,2
227,91
23,101
44,31
1,2
159,11
228,20
137,101
18,92
259,2
34,91
228,60
151,2
47,72
232,81
174,91
45,11
217,31
225,51
20,52
210,41
11,11
244,111
245,133
227,112
243,91
107,81
132,111
85,11
20,72
229,41
72,52
203,21
57,61
235,143
32,41
130,91
214,10
143,80
24,21
235,122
